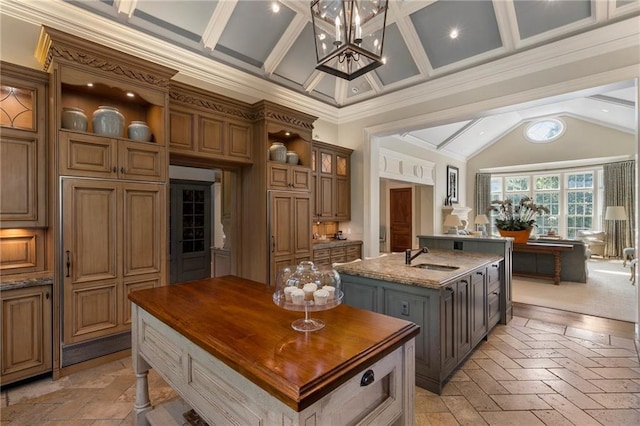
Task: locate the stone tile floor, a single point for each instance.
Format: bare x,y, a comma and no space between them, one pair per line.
526,373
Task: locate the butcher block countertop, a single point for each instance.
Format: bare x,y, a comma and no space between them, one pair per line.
236,321
392,267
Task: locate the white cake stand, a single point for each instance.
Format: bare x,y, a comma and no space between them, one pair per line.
306,323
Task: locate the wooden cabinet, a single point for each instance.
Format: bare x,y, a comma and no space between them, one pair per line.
478,317
285,176
345,252
289,225
109,197
493,294
331,168
206,126
26,333
112,244
23,168
95,156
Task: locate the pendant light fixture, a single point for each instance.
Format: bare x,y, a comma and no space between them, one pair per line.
349,35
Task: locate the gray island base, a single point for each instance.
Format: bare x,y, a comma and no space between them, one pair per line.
454,296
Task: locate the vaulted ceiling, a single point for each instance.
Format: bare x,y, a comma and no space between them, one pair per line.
275,46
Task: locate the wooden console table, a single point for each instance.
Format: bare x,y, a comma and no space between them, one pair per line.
231,354
544,248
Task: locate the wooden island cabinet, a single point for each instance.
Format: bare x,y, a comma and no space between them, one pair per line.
230,352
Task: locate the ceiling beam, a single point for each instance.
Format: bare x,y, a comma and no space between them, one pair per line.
218,22
616,101
507,23
287,40
459,132
125,7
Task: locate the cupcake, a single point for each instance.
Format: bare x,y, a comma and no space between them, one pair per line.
320,297
308,289
287,292
331,290
297,296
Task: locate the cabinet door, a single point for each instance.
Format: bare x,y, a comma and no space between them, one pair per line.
448,324
19,175
210,135
493,307
342,199
325,197
144,229
354,252
239,137
26,333
181,130
277,176
478,305
88,155
91,257
463,316
302,224
360,295
281,221
141,161
300,178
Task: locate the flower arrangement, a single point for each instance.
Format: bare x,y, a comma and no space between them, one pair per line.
516,217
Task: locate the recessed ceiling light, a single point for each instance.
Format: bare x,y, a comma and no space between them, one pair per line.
453,33
130,94
89,84
275,7
287,133
354,90
604,110
384,60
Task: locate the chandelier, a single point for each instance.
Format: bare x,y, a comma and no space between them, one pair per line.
348,35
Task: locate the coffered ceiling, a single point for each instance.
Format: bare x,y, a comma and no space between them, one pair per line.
273,52
273,39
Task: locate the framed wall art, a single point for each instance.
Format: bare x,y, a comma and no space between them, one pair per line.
452,184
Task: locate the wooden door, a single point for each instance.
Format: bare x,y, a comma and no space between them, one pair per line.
240,136
448,323
19,179
463,311
141,161
91,258
302,225
400,218
88,155
26,333
190,231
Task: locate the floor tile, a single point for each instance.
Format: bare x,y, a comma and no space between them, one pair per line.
476,396
616,373
572,394
501,359
440,419
617,400
618,362
532,374
463,411
616,352
622,342
520,402
574,367
552,418
494,370
616,417
486,382
592,336
511,418
568,409
617,385
545,326
526,386
537,363
574,380
581,349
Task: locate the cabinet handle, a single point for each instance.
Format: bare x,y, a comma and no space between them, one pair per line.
273,244
449,289
495,293
115,169
479,272
367,378
46,295
121,169
68,263
495,265
464,281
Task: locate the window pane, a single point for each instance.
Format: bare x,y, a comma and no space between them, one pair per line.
517,184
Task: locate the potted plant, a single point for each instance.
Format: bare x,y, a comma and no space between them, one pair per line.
517,219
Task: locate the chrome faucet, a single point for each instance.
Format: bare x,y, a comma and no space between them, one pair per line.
408,257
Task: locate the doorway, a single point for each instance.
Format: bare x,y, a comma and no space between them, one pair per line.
190,231
400,219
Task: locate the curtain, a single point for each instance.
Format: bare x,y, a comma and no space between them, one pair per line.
619,190
483,193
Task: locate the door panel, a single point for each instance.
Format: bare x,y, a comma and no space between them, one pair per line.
400,210
190,231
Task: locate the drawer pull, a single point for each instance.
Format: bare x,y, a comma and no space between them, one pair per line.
495,265
479,272
367,378
46,296
449,289
115,169
495,293
68,264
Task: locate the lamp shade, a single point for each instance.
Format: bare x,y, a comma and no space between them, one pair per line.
481,219
349,35
452,220
615,213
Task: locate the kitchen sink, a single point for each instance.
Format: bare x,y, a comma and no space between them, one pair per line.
434,267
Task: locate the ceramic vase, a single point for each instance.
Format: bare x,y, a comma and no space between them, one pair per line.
278,152
139,131
292,157
74,119
108,121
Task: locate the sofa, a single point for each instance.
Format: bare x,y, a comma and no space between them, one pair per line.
595,241
573,263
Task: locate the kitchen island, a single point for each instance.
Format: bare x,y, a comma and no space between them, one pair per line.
454,296
231,354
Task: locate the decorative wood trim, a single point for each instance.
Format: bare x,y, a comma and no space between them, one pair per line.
210,105
394,165
54,44
266,110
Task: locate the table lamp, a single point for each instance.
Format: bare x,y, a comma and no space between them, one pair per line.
452,221
481,221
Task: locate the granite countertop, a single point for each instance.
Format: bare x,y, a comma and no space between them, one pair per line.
392,267
323,244
467,237
12,282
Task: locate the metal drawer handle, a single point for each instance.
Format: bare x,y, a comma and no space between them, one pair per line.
479,272
495,265
68,264
367,378
449,289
